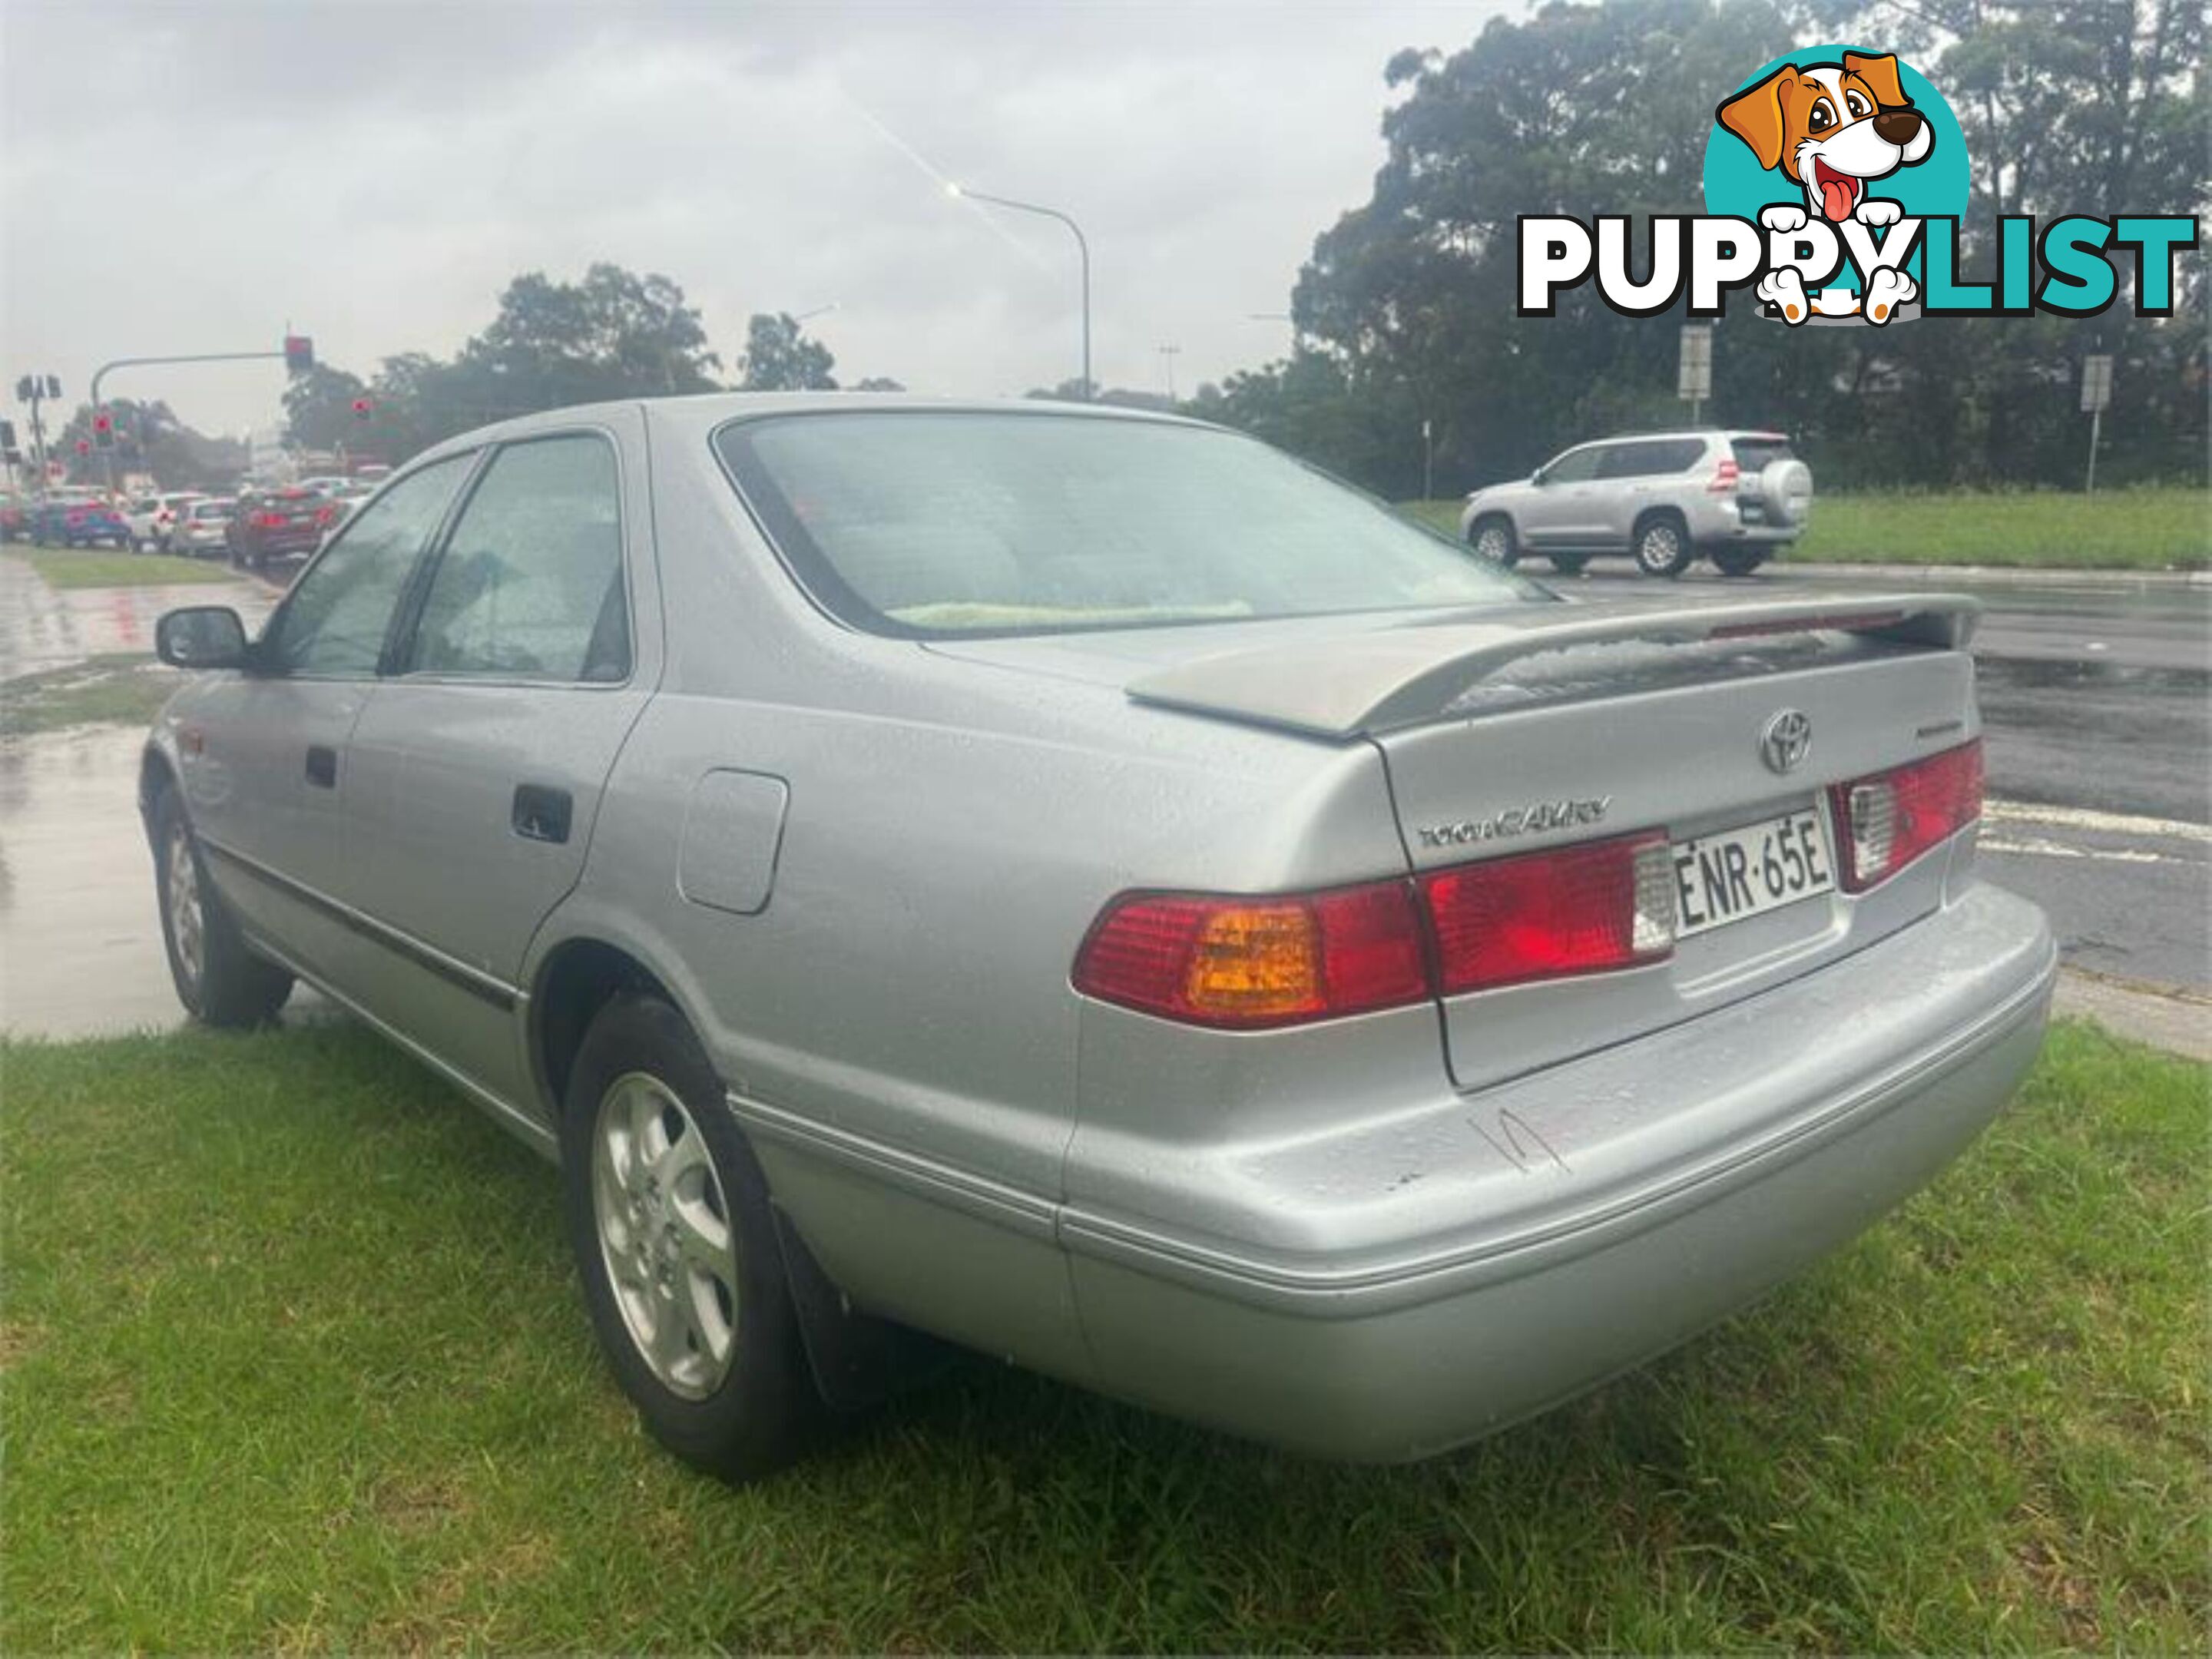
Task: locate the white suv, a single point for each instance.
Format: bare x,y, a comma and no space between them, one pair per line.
1660,497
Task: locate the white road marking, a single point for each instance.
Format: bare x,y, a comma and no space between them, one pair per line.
2082,818
2039,847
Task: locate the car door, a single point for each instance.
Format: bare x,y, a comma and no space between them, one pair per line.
263,753
1560,511
1627,474
482,754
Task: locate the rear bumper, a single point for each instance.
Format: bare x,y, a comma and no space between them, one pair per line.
1598,1232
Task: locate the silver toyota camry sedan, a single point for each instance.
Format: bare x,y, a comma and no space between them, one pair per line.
1085,887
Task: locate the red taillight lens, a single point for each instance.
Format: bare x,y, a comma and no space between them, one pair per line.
1888,820
1250,962
1725,478
1247,963
1574,910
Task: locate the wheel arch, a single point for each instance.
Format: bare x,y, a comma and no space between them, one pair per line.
577,978
1659,510
156,773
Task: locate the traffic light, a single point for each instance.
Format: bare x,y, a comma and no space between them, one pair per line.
9,450
53,386
299,354
362,409
26,389
103,430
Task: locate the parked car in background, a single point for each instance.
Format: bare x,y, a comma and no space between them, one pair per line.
153,518
15,518
1663,498
78,520
285,522
1085,886
202,529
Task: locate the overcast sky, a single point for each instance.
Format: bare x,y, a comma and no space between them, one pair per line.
177,178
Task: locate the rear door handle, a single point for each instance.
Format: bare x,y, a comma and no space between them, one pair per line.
322,767
541,813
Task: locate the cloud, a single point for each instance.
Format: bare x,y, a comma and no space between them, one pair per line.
374,174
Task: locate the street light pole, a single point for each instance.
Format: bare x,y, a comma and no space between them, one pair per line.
1083,248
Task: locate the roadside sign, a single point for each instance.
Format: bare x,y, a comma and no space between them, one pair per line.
1695,379
2096,384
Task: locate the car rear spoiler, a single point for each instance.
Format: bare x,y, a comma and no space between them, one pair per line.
1386,678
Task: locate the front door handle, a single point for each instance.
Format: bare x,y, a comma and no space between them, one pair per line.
541,813
322,767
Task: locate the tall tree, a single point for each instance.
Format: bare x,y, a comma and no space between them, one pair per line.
319,411
779,357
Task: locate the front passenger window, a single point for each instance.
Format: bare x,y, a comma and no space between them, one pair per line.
530,586
1577,466
333,625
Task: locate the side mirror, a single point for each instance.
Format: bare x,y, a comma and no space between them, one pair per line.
202,637
1538,477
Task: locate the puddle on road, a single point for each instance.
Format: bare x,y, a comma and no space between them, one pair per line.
2032,675
80,939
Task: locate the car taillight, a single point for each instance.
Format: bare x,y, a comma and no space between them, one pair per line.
1248,962
1573,910
1890,819
1725,478
269,521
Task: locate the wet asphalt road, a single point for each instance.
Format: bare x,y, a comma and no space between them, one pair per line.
2097,719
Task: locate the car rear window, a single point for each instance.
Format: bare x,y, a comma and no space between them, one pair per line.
930,524
1757,454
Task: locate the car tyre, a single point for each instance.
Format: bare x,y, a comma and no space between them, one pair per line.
1739,561
1492,537
668,1214
1662,546
220,981
1569,564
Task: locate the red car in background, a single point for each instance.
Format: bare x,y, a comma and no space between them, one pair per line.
279,524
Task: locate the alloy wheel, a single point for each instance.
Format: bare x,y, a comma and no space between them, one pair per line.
187,921
1660,550
664,1234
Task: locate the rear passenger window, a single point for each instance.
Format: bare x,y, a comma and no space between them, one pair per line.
530,586
1651,458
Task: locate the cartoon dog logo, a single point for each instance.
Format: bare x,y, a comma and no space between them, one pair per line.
1832,129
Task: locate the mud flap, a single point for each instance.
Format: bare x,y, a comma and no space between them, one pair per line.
858,1359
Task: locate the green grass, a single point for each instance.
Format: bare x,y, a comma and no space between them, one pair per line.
73,567
2120,529
293,1357
119,690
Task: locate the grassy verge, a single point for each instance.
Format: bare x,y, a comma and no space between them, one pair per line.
121,689
69,567
292,1359
2121,529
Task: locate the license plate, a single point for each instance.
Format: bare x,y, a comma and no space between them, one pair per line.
1727,876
